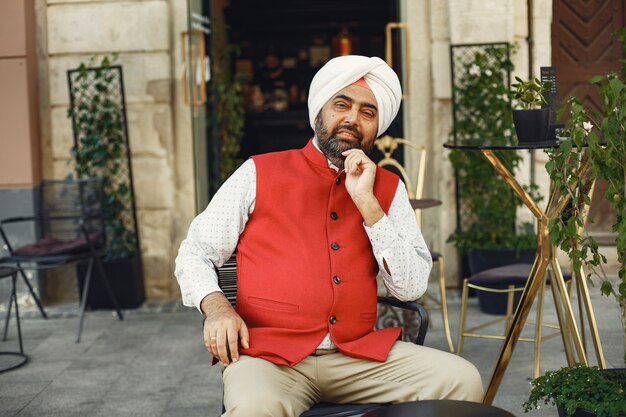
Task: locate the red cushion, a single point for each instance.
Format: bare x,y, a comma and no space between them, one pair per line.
49,246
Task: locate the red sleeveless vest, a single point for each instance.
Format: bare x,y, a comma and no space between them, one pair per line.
304,262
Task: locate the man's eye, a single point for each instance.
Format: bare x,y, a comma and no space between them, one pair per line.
341,105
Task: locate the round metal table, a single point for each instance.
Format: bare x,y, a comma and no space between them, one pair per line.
438,408
15,359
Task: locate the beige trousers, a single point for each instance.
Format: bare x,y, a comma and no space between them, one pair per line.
256,387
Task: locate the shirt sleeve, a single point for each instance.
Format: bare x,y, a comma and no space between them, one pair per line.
398,243
213,235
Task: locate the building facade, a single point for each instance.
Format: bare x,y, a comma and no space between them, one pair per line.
41,39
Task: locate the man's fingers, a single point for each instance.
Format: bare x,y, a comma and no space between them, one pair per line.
213,345
244,336
222,352
233,342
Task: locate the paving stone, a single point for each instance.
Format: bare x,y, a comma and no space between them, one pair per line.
154,362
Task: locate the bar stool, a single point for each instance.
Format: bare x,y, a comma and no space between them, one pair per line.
6,272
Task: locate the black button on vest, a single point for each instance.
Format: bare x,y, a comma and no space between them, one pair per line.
336,279
334,215
338,181
332,319
335,246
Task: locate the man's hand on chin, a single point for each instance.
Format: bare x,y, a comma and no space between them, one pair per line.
360,177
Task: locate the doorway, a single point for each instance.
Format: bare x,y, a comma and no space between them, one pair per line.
583,47
278,47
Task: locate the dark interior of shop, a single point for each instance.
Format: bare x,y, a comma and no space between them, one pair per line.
281,46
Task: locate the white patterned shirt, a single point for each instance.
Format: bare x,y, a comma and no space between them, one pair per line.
214,233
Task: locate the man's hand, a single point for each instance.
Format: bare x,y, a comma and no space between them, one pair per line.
223,328
360,177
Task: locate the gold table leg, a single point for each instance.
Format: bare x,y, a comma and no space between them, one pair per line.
545,257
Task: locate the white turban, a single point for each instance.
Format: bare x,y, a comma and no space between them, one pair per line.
342,71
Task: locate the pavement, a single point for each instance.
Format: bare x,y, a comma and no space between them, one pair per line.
153,363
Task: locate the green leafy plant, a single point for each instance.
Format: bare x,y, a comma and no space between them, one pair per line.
530,94
483,113
595,148
579,386
230,111
100,149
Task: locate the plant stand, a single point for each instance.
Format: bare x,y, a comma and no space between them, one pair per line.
545,261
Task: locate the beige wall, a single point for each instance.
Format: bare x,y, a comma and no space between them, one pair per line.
19,107
145,33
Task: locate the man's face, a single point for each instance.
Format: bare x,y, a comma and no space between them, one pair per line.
348,120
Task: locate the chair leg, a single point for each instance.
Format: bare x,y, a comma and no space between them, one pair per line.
7,318
510,298
444,304
83,299
459,343
107,286
32,292
17,313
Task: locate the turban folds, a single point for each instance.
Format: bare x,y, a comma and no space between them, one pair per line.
342,71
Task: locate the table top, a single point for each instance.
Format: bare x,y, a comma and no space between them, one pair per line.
486,144
438,408
423,203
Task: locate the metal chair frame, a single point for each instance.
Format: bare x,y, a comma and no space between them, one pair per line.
22,358
91,253
510,291
388,145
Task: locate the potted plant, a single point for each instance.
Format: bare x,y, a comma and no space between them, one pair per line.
581,391
488,230
101,149
531,123
594,147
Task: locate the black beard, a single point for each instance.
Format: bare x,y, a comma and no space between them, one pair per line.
333,147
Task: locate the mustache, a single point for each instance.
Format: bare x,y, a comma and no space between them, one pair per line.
349,128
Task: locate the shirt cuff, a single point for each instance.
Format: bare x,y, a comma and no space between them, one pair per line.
199,294
382,237
381,234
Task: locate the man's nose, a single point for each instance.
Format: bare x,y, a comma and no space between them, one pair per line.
351,117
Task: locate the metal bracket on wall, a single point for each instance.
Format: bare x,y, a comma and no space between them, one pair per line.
194,67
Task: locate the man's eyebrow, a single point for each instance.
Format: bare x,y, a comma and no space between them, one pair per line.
351,100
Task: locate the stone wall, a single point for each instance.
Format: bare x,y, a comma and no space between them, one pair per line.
145,33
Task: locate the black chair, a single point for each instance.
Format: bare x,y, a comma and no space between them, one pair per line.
69,218
411,316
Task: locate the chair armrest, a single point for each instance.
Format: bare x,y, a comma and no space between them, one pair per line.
413,306
17,220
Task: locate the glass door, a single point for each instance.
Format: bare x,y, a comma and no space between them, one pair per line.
196,77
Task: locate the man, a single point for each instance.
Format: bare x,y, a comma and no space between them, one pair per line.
312,228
